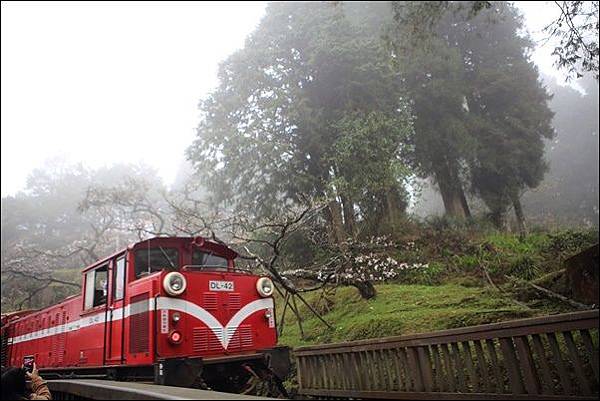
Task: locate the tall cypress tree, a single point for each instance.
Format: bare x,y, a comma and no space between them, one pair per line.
310,80
509,108
481,111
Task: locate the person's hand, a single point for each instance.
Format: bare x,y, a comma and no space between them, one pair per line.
34,372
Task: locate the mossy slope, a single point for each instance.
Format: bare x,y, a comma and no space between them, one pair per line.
401,309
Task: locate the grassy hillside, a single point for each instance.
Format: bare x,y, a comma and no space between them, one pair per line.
404,309
451,289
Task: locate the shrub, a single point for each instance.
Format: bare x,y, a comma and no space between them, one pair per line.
465,263
524,267
424,274
571,241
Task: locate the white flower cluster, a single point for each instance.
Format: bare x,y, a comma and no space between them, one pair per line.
413,266
410,245
322,275
380,267
382,240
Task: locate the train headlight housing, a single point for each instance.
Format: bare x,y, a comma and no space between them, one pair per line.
176,317
175,337
174,283
265,286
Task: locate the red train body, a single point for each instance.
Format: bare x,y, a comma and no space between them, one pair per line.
166,306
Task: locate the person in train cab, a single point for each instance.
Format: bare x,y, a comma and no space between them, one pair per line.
104,288
14,386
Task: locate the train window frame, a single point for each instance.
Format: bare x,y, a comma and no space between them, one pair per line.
149,269
118,288
91,298
205,266
88,296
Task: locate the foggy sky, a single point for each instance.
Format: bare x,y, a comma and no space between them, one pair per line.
121,82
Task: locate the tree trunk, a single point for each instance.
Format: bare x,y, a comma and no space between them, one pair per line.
365,288
465,205
349,218
333,215
335,218
453,195
394,204
498,218
516,201
390,208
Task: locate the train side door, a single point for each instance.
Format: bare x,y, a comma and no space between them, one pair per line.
116,314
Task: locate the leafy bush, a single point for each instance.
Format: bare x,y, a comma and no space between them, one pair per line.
513,243
571,241
442,223
427,274
466,263
524,267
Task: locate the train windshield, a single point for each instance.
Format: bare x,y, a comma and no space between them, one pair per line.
151,260
207,260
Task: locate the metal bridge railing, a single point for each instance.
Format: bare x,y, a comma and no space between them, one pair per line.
549,357
114,390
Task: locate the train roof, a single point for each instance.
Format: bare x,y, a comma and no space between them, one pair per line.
200,241
9,316
18,315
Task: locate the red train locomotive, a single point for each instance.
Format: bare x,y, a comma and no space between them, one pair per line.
175,310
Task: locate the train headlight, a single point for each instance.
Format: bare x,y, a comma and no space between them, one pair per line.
265,287
174,283
175,337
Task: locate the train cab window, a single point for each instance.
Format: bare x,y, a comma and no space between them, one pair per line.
151,260
118,279
96,287
202,259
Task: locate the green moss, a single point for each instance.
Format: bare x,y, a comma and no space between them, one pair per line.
465,281
399,310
